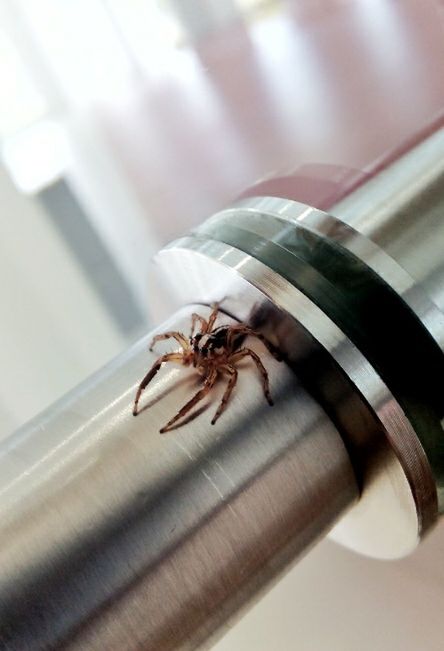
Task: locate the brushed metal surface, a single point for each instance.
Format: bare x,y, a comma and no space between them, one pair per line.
115,537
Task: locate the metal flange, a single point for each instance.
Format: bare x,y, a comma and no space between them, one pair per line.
303,290
355,298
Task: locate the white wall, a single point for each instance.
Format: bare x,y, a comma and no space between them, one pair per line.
335,600
54,330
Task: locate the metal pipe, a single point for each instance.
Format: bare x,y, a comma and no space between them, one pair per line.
115,537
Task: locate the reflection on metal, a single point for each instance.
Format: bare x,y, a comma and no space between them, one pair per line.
401,211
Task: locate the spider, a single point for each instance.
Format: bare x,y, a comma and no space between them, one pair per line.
212,351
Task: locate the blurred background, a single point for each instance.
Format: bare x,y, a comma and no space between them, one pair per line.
123,123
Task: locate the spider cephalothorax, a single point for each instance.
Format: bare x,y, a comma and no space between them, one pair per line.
211,351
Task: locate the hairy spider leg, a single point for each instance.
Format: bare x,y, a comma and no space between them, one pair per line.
169,357
246,352
204,325
178,336
230,386
200,395
249,332
213,317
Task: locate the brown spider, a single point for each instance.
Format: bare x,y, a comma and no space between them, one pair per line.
211,351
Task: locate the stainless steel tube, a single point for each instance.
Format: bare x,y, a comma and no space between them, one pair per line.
115,537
